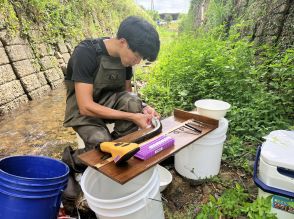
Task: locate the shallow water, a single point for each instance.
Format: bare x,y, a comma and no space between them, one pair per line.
37,128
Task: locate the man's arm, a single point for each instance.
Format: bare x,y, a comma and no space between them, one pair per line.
87,107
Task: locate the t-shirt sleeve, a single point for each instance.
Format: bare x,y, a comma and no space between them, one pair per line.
84,64
129,73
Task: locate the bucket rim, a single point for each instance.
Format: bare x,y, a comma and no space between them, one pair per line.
201,104
117,199
39,157
31,196
37,188
32,182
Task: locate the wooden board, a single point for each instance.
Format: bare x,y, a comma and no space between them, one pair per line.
135,166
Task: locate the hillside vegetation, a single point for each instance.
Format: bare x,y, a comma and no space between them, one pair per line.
69,20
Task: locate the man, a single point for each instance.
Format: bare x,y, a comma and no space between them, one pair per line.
98,84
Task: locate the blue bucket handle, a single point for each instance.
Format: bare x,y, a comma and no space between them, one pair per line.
265,187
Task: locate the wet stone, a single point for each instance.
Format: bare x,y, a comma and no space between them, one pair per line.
10,91
38,93
14,104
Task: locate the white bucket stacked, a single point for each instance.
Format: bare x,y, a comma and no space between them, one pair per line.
274,172
137,199
202,158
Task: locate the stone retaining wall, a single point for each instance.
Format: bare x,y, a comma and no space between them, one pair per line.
273,20
29,69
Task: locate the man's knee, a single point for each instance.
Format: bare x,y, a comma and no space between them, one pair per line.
128,102
131,103
93,135
135,105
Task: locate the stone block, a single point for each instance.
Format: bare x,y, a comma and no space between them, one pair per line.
288,29
62,47
1,44
41,78
44,50
36,35
3,57
56,84
281,8
10,91
69,47
19,52
66,57
6,74
60,73
26,67
8,40
14,104
38,93
48,62
63,68
30,82
58,55
52,75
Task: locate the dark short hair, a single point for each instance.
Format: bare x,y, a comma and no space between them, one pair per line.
141,36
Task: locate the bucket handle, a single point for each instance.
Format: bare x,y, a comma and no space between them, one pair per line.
265,187
285,172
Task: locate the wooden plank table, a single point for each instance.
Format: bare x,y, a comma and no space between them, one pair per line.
171,127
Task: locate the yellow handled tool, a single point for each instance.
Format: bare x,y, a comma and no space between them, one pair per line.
123,151
120,151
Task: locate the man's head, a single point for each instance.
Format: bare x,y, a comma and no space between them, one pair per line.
140,40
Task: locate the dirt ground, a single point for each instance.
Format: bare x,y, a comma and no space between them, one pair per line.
183,192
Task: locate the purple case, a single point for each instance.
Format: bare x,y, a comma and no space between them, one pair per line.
153,147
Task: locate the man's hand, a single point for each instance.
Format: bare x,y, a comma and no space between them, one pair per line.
148,110
142,120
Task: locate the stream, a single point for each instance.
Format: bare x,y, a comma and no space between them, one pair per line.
37,127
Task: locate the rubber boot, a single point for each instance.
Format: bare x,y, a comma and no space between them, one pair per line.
73,190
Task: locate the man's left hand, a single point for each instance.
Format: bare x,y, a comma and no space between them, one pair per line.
148,110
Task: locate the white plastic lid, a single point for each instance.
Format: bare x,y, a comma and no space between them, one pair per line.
278,149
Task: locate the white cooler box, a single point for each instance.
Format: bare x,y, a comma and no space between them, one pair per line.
274,172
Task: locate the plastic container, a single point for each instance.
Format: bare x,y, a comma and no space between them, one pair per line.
274,172
31,187
215,109
137,199
202,158
165,177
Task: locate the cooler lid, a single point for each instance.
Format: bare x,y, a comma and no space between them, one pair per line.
278,149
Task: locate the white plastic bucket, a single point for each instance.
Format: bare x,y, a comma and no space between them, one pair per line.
215,109
139,198
202,158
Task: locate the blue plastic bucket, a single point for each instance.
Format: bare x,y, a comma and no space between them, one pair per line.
31,187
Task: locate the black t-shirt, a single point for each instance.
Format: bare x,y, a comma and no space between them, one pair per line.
83,63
